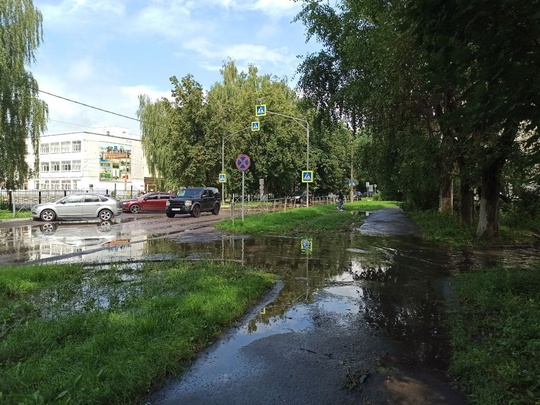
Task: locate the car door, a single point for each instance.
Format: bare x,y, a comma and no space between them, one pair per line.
91,205
151,203
162,201
70,207
207,200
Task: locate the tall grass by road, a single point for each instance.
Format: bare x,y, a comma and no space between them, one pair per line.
495,334
315,219
71,335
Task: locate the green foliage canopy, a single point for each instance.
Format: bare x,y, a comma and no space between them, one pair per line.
22,114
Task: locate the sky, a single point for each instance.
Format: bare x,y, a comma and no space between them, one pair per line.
105,53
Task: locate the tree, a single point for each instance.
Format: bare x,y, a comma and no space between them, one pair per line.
22,114
367,75
494,50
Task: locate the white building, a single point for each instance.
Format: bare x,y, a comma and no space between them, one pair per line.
108,159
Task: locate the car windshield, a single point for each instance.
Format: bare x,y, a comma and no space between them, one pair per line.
190,193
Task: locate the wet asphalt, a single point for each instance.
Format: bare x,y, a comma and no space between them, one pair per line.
318,352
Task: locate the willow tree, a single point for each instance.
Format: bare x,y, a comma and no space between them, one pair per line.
22,114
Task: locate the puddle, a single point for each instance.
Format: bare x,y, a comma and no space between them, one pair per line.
356,284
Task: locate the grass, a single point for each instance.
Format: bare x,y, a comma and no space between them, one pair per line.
5,214
314,219
495,333
75,335
446,228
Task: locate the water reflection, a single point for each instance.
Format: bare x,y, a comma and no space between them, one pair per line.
44,241
397,285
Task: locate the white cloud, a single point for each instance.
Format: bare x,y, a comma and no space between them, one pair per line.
81,70
105,53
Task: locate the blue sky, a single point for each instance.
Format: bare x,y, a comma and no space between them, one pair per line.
105,53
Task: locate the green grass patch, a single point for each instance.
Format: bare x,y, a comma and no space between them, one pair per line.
446,228
5,214
314,219
109,336
495,333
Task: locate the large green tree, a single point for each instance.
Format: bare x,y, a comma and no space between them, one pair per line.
188,139
367,75
447,91
22,114
490,52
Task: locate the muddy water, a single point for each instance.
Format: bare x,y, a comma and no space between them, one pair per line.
368,288
357,290
397,284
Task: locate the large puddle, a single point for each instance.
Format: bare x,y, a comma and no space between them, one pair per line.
397,285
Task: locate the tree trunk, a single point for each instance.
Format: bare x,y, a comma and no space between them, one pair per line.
466,205
488,221
446,195
489,205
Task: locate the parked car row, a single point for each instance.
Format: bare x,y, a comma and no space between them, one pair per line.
191,200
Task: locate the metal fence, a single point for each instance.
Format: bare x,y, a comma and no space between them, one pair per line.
255,206
25,199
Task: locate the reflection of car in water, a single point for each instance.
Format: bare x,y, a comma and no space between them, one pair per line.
105,233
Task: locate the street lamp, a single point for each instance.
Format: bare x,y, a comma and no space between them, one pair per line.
299,120
223,139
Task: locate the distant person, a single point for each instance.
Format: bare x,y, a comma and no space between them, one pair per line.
340,199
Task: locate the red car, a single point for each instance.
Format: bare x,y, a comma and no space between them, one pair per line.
147,202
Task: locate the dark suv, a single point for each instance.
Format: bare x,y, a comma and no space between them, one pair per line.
194,200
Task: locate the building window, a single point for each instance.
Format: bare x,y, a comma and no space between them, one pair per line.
66,165
44,166
76,165
44,149
66,147
66,184
55,184
44,184
55,166
55,147
76,146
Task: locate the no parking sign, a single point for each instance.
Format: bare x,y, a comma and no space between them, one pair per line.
243,162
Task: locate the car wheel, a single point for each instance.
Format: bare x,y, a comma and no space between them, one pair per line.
48,229
105,215
215,210
104,226
170,215
134,209
196,211
48,215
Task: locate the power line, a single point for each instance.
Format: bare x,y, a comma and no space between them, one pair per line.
90,106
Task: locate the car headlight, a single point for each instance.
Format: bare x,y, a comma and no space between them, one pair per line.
167,203
189,203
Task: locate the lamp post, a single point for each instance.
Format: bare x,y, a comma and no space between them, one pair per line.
223,139
299,120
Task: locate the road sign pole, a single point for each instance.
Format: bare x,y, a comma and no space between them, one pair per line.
243,176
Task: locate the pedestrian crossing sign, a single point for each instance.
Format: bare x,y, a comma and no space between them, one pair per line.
222,178
260,110
307,176
306,245
255,126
